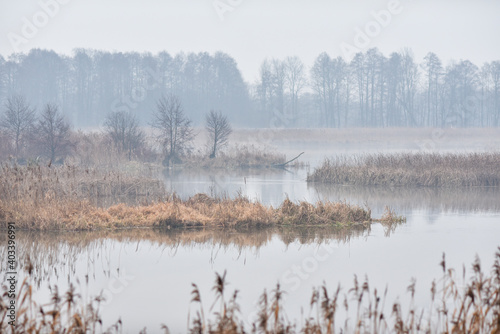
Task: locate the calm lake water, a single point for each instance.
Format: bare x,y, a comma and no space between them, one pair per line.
146,275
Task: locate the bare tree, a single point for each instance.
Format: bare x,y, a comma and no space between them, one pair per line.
52,133
296,81
123,129
433,72
278,76
493,73
17,120
408,86
218,129
322,83
265,87
174,128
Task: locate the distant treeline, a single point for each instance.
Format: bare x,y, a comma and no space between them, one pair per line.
371,90
91,84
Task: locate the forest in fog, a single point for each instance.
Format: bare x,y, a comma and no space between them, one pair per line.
371,90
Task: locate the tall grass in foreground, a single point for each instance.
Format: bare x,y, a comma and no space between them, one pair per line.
412,169
64,197
472,308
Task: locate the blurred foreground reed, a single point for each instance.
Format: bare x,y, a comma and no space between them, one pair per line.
454,308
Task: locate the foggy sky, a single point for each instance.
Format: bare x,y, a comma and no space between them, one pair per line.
251,30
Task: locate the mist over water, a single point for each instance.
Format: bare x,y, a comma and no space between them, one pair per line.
100,94
122,264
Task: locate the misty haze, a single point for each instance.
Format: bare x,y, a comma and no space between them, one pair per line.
236,166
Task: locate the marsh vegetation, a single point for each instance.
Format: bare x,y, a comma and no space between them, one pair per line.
126,175
412,169
98,189
64,197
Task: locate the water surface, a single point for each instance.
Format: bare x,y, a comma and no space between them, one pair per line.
146,275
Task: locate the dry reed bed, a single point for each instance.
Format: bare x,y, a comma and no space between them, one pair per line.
412,169
61,198
470,308
200,210
42,197
69,181
455,308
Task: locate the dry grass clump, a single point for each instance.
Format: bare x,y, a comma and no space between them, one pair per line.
199,210
322,213
52,213
412,169
390,220
390,216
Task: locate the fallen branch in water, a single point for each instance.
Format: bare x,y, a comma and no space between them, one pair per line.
286,163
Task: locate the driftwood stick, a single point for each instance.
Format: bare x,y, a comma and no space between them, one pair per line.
286,163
